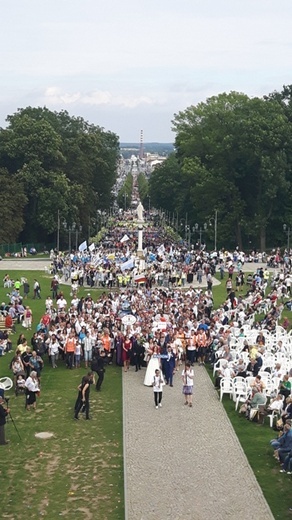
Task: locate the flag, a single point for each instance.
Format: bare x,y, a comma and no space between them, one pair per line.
161,249
127,265
124,239
140,278
91,247
83,246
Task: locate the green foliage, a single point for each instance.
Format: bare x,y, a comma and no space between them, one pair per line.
63,162
233,154
143,189
125,193
165,186
13,203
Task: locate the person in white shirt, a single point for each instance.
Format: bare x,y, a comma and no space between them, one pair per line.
188,384
32,389
87,348
157,388
49,304
61,303
54,346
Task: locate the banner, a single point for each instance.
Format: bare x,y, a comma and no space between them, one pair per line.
83,246
127,265
91,247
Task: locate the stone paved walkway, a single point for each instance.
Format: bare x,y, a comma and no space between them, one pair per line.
184,463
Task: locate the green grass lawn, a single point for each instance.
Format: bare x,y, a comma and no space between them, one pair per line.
79,472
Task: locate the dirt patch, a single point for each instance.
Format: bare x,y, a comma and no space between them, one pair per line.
44,435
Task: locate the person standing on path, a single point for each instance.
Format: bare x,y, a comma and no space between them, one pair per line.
188,384
169,366
157,388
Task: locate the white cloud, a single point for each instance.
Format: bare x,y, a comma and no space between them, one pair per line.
54,96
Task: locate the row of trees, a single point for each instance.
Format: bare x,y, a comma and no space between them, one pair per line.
50,164
233,155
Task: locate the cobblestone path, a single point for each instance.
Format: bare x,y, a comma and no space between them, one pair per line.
184,463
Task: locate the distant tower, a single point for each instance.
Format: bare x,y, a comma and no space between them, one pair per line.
141,152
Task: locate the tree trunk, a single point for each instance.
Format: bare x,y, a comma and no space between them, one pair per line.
263,239
238,236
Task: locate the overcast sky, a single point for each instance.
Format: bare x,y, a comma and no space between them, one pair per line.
132,65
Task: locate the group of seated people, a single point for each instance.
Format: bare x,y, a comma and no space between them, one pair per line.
282,445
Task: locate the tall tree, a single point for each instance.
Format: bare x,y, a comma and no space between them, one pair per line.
236,148
13,202
67,166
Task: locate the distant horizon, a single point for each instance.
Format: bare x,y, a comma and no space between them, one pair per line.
145,142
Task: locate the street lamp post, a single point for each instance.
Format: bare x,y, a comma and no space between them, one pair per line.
58,232
215,219
200,230
78,230
70,228
287,230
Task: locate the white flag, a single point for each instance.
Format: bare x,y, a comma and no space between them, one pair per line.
83,246
124,239
91,247
127,265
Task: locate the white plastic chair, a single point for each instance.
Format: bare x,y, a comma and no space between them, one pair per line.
275,414
218,365
240,393
226,387
249,381
256,409
6,383
265,376
276,383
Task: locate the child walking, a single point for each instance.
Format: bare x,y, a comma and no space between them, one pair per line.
157,388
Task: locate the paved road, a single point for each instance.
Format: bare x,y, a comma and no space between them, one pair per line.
185,463
28,264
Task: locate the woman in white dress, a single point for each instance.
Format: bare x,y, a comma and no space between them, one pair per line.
153,364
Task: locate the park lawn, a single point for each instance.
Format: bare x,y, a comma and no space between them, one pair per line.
79,472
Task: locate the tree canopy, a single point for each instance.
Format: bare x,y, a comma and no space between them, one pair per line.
233,154
62,163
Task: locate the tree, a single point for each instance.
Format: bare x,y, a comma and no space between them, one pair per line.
65,163
233,150
13,202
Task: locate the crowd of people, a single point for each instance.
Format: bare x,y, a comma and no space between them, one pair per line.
173,321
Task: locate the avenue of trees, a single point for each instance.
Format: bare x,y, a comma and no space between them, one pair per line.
50,164
233,155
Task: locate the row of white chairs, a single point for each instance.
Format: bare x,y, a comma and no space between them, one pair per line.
239,389
244,384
